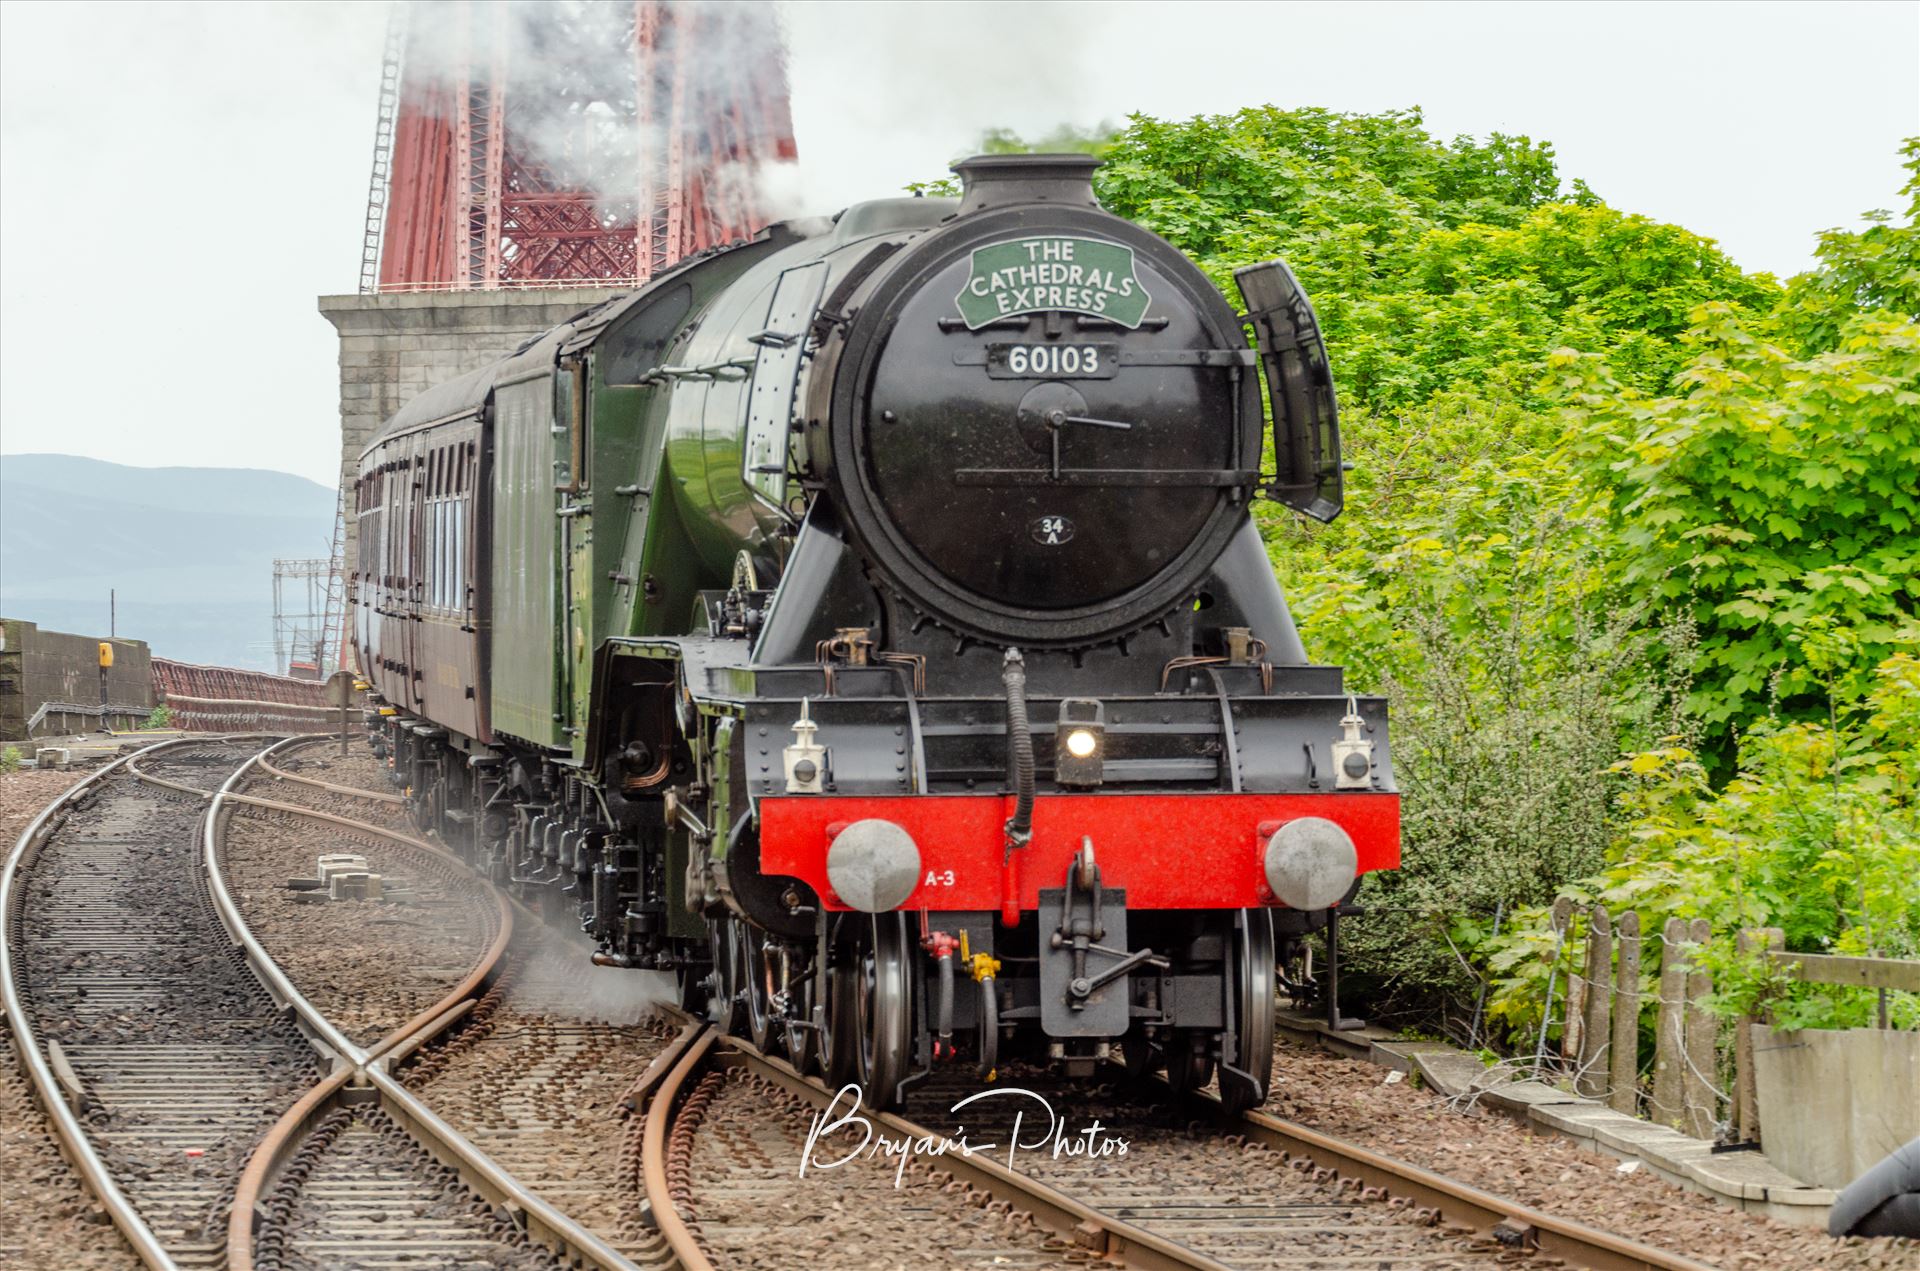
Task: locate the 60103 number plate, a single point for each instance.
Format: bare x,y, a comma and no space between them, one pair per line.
1052,361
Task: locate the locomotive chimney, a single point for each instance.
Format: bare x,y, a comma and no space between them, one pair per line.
1003,180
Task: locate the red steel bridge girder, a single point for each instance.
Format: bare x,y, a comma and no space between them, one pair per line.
577,143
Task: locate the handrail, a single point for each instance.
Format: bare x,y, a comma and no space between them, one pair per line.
1900,974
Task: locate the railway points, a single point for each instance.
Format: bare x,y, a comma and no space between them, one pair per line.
528,1112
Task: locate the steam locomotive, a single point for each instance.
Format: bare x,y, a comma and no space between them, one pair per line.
867,623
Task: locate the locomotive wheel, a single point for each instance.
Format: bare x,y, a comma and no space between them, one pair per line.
796,1036
725,1007
764,982
838,1058
883,1016
1252,983
1189,1060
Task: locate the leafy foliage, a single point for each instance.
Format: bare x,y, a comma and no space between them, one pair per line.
1776,497
1819,835
1431,265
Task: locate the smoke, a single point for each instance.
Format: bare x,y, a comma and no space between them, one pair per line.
586,111
884,95
561,981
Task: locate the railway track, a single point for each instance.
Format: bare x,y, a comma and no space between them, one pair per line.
212,1097
220,1115
1196,1188
158,1056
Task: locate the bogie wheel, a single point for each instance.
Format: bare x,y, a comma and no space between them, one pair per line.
1248,1074
839,983
724,1006
765,982
883,1013
1190,1060
796,1036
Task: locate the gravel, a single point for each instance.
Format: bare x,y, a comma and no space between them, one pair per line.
1352,1100
323,763
1239,1203
357,768
49,1219
368,965
539,1077
181,1055
752,1210
361,1194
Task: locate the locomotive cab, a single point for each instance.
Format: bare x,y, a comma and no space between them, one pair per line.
921,690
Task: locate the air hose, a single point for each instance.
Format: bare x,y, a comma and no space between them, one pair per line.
1020,759
1020,750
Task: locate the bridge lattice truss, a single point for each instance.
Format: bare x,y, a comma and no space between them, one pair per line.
577,142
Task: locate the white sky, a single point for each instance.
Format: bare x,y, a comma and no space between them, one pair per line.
179,182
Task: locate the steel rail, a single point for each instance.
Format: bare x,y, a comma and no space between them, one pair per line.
317,1027
695,1042
465,991
1506,1220
144,777
363,1073
1099,1234
68,1132
281,774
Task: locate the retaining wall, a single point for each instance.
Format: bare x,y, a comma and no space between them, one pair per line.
50,682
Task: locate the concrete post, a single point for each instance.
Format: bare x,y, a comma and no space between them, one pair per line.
1626,1018
1746,1100
1591,1077
1668,1062
1696,1085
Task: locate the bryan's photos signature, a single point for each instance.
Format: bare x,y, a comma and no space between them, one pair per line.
841,1134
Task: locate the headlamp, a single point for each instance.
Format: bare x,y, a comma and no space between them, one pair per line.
1079,754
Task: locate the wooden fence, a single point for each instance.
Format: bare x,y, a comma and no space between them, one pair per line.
1600,1041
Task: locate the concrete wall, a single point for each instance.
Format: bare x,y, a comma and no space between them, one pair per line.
395,346
1833,1102
37,667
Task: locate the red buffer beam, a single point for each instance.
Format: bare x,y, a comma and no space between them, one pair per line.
577,142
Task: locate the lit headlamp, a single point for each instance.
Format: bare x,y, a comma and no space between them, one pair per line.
1080,743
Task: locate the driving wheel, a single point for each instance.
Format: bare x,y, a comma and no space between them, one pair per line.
1245,1078
883,1024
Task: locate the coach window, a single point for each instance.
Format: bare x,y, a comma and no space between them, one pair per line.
439,591
457,560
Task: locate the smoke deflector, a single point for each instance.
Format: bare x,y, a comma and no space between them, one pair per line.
1306,426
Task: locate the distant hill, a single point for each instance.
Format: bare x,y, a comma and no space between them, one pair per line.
190,551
